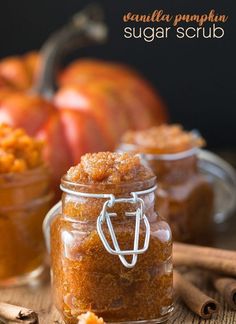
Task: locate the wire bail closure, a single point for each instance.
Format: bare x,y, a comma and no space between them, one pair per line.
139,215
105,217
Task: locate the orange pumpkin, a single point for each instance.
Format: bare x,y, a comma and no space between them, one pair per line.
96,102
134,95
19,72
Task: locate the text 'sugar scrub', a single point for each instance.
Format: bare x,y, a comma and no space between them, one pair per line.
153,26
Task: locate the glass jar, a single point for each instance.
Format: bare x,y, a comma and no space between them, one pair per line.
184,193
24,199
111,253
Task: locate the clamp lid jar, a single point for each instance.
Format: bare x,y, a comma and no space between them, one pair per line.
111,253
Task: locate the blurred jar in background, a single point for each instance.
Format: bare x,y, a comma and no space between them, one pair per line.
185,196
25,198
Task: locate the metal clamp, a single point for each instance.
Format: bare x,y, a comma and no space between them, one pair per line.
105,216
139,215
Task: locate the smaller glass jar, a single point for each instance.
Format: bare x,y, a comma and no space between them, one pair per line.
24,199
188,198
185,196
111,253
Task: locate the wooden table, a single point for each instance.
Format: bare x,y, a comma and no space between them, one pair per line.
38,297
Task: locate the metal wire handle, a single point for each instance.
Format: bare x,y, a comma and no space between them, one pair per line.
105,216
139,215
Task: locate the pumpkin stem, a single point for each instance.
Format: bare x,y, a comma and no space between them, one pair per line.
86,27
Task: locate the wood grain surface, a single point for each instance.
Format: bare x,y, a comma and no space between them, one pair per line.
38,296
39,299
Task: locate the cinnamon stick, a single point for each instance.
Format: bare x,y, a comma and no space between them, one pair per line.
221,265
227,288
194,298
203,250
17,314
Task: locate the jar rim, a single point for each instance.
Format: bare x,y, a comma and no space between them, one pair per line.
163,156
144,184
8,179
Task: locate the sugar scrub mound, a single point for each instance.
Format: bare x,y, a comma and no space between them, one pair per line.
164,139
107,167
90,318
18,151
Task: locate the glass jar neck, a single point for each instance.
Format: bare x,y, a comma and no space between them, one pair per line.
169,168
21,189
108,209
175,170
25,178
86,202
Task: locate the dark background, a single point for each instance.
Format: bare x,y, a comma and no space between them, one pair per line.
195,77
